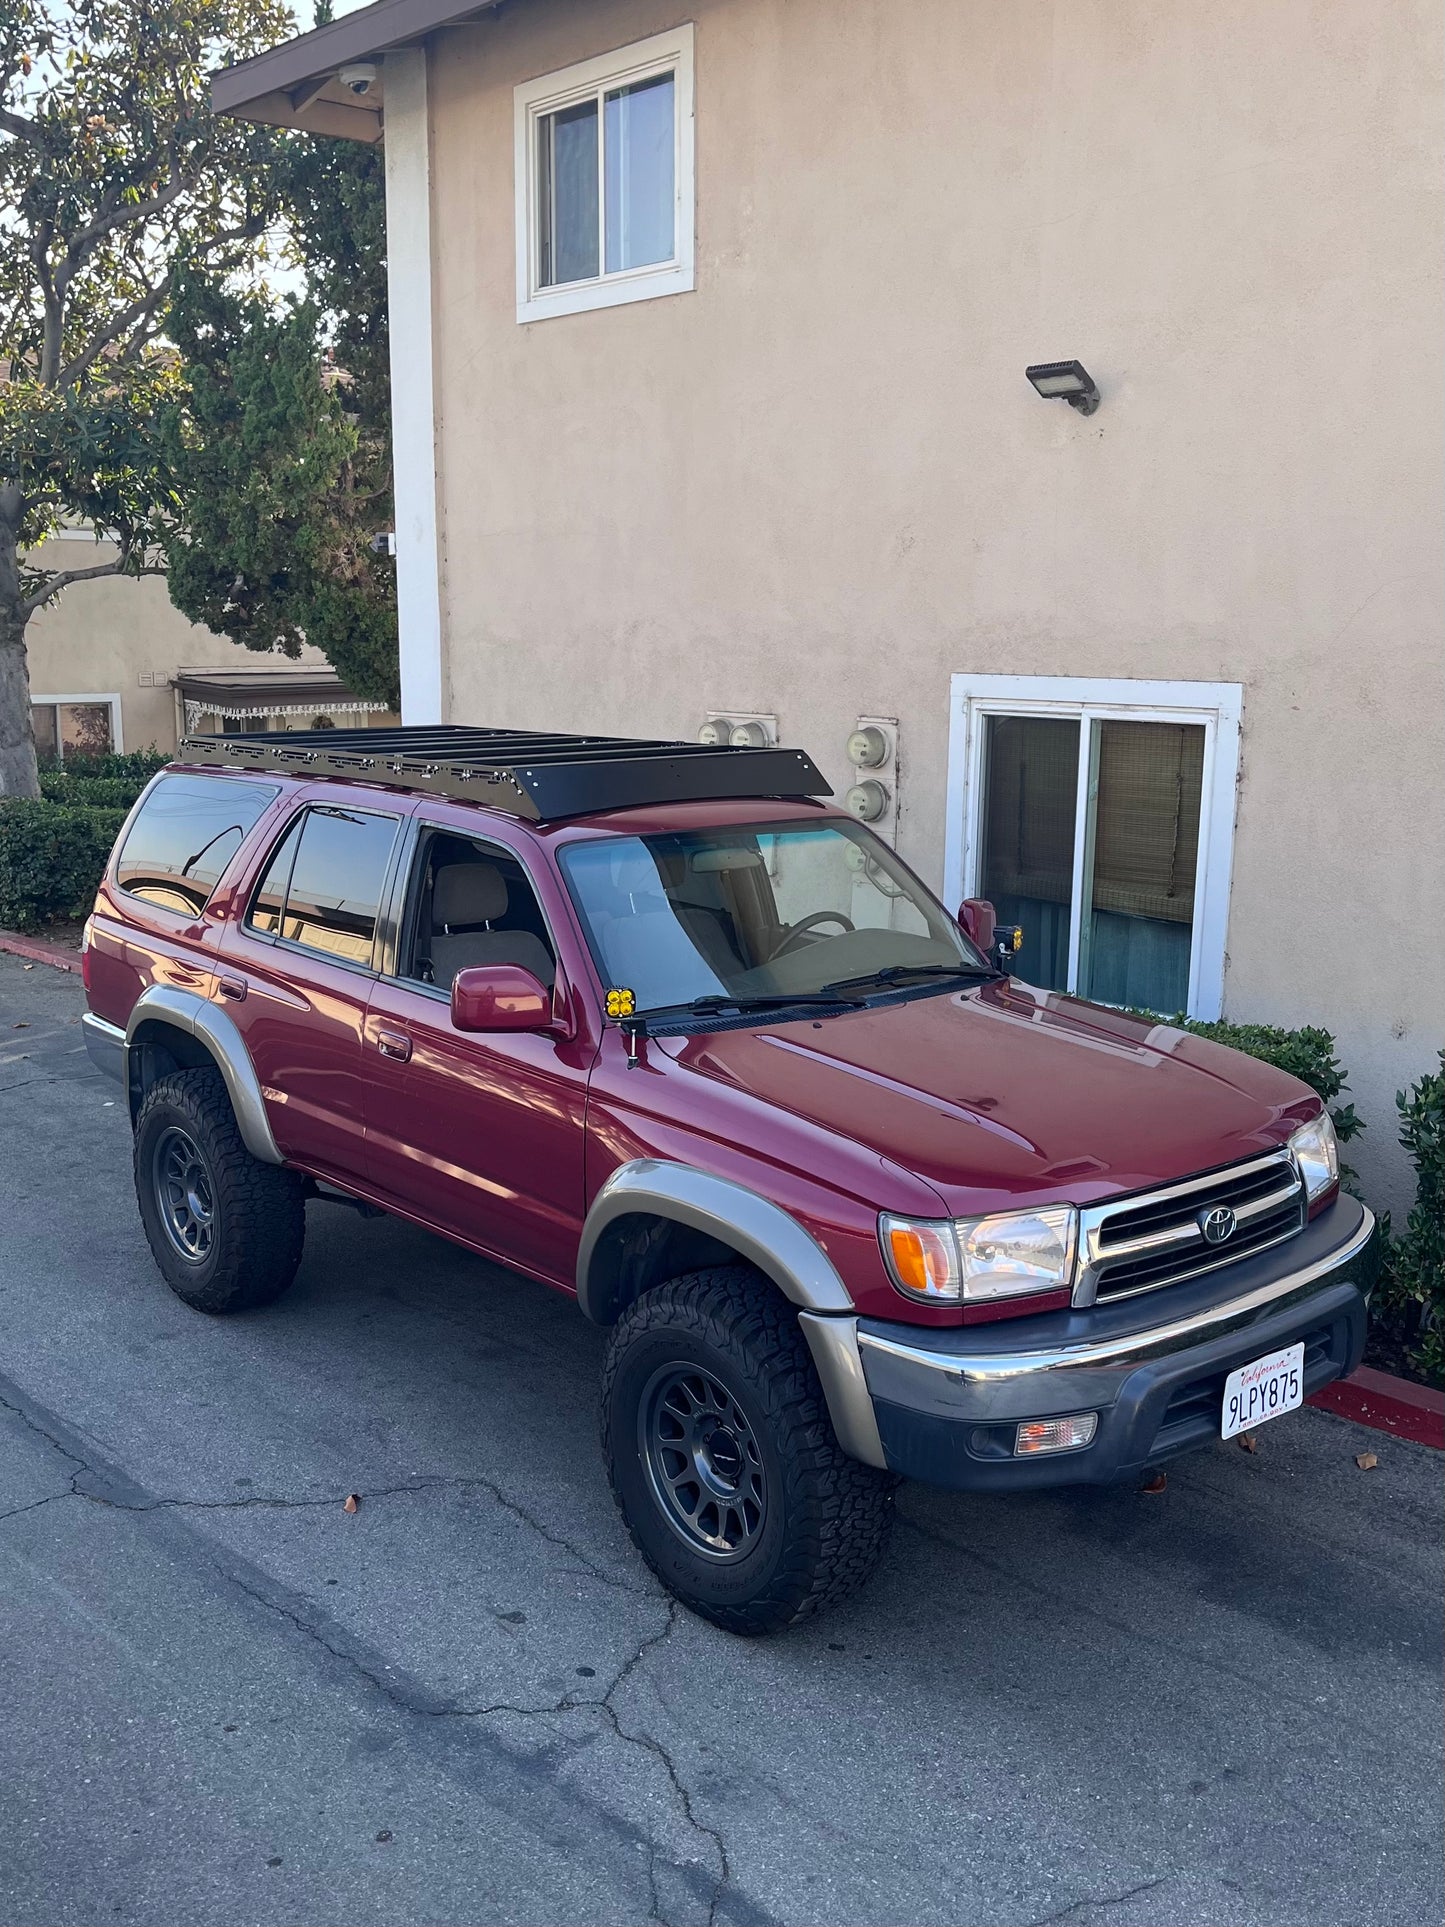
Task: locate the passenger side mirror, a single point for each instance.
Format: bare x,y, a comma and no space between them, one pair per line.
976,914
500,997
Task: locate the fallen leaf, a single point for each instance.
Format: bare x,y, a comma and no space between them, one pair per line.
1247,1442
23,1025
1366,1461
27,966
353,1500
1155,1484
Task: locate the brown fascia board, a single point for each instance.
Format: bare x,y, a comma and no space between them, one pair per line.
267,86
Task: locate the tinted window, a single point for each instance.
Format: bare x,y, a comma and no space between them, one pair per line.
332,888
188,829
270,897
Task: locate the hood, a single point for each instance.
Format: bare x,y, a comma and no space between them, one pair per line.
1003,1093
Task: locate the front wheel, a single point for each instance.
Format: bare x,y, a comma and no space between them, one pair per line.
224,1228
723,1460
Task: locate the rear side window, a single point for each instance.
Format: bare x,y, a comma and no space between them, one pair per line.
188,829
322,887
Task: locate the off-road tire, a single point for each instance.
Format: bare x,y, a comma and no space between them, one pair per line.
258,1210
827,1516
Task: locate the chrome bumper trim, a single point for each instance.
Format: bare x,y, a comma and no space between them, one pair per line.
105,1045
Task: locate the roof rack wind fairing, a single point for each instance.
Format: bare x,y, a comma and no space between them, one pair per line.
541,777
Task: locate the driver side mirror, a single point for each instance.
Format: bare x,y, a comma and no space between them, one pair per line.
500,997
979,921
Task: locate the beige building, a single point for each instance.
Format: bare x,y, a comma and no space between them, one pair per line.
710,327
115,665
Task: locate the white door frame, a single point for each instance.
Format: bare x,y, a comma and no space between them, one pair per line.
1217,706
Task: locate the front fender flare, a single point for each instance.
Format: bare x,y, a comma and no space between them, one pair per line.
188,1011
755,1227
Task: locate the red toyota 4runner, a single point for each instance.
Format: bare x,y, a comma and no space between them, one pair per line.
652,1023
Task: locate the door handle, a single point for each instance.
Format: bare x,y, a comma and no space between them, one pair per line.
394,1043
232,987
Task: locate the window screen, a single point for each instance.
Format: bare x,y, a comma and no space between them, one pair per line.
188,829
323,885
607,181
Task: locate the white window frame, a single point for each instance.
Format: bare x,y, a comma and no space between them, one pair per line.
116,740
1217,706
662,53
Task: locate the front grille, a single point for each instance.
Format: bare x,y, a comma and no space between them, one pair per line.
1143,1243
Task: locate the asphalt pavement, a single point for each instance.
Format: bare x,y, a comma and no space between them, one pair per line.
224,1698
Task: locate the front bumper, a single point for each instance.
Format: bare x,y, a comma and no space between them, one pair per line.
945,1406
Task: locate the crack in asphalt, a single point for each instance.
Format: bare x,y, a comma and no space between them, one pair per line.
1101,1900
407,1695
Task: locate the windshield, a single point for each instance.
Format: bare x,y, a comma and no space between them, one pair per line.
774,910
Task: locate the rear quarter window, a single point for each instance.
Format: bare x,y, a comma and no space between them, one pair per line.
187,831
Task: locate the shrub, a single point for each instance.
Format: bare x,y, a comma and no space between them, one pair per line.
136,766
90,792
1412,1290
51,860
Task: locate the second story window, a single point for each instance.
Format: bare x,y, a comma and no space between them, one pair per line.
604,180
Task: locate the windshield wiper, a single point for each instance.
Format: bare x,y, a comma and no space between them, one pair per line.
892,974
764,1000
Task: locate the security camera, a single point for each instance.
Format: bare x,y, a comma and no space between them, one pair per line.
359,78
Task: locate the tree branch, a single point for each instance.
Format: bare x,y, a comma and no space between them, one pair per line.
137,313
18,125
63,578
124,215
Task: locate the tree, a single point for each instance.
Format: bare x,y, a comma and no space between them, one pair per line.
279,431
113,172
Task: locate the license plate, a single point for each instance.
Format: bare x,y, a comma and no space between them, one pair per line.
1265,1389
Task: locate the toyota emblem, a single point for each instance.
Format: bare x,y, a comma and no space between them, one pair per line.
1217,1225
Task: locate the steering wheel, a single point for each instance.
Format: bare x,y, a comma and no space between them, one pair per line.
804,924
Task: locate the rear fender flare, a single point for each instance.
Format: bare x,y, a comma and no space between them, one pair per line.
186,1010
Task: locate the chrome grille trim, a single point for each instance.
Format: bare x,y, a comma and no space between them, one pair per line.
1190,1196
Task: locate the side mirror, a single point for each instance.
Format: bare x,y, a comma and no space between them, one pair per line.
500,997
976,914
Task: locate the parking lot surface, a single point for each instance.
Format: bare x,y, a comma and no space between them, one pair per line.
225,1698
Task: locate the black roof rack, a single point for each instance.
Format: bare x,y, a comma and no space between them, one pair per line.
536,776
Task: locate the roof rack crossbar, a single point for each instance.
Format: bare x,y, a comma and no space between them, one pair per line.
526,773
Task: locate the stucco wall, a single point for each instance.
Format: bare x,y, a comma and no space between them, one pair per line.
100,637
820,484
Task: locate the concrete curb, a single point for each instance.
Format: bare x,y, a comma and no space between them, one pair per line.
1388,1404
38,951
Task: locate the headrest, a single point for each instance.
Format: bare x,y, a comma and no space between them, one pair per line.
467,893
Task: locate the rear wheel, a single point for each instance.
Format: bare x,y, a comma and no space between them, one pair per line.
224,1228
723,1460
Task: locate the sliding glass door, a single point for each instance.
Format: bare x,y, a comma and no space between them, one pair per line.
1088,836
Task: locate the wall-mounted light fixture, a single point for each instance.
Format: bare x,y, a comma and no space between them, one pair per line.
1068,381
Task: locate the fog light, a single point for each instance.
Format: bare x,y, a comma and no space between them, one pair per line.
1056,1434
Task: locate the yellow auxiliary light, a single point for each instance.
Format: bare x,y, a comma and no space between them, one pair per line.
621,1003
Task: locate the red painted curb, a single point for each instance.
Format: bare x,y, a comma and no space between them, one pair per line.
1388,1404
37,951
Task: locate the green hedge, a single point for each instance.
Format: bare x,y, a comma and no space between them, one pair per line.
91,792
1412,1290
135,766
51,860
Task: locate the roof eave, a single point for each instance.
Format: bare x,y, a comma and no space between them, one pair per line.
293,85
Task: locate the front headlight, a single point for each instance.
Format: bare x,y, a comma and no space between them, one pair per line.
1317,1153
979,1261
